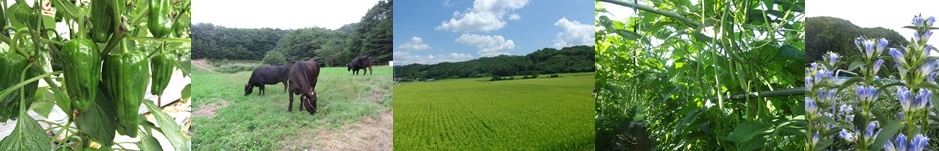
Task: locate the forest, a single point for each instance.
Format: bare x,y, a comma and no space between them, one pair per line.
824,34
331,47
544,61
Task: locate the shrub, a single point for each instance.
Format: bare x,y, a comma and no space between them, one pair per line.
274,58
495,78
235,68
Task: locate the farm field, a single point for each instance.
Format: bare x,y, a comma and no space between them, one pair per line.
531,114
354,113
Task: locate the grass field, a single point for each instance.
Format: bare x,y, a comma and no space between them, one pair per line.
225,119
469,114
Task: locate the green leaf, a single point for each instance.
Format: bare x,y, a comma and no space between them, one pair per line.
27,135
856,64
823,144
690,117
186,92
44,101
929,85
72,11
747,131
754,144
99,120
887,132
172,131
700,37
850,83
791,53
148,142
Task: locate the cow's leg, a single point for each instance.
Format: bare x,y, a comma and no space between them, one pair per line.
290,106
370,71
302,99
261,89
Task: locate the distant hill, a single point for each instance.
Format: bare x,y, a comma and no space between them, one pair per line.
544,61
823,34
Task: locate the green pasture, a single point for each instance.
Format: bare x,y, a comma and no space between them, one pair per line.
476,114
262,122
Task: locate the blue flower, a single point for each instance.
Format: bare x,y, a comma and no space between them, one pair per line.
917,20
877,64
881,45
925,36
927,50
919,142
857,42
847,136
809,83
931,77
919,102
926,68
901,142
904,94
832,58
867,93
810,107
815,139
877,78
869,48
930,20
889,146
869,133
897,56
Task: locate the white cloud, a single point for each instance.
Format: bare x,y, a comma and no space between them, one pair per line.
575,33
514,16
485,15
416,43
487,45
405,58
447,3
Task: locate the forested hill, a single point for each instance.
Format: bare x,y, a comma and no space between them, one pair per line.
544,61
372,35
824,33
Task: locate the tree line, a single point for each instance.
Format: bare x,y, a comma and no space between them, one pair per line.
824,34
331,47
544,61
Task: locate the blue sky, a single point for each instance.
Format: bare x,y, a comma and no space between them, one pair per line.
429,32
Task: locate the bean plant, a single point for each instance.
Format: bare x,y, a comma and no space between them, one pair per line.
857,109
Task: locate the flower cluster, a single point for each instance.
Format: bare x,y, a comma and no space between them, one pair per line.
830,110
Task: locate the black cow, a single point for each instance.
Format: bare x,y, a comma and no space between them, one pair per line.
361,62
267,75
301,79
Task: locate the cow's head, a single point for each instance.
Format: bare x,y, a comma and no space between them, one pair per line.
349,67
309,102
248,89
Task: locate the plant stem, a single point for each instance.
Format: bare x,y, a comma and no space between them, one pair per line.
653,10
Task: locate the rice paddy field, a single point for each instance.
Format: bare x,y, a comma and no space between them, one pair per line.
476,114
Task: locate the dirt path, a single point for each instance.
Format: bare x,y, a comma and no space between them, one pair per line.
368,134
208,110
203,65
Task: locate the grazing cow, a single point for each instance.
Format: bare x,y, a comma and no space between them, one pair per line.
361,62
301,79
267,75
